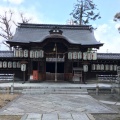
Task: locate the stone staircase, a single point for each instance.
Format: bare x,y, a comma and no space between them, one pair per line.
55,90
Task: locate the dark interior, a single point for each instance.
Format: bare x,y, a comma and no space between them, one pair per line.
50,67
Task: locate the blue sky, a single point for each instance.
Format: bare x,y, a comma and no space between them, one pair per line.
57,12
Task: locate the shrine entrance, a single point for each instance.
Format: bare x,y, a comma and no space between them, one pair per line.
50,71
55,55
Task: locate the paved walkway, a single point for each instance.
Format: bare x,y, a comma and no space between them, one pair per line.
55,106
68,116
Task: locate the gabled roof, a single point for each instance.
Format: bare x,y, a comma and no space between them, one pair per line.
74,34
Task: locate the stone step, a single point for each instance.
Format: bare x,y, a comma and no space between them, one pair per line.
54,91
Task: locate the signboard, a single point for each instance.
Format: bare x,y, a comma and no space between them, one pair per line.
23,67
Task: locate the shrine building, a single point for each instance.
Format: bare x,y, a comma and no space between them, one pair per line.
51,52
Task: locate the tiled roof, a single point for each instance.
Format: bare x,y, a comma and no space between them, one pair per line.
6,54
112,56
74,34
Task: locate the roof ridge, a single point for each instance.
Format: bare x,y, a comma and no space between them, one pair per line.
31,25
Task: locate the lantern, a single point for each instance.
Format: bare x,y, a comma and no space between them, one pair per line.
74,55
1,64
70,55
18,65
115,67
89,56
106,67
14,64
98,66
93,66
36,54
5,64
42,53
102,67
16,53
20,52
111,67
25,53
79,55
85,68
94,56
23,67
84,55
9,64
31,54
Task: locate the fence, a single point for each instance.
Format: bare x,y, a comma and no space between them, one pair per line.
6,77
107,78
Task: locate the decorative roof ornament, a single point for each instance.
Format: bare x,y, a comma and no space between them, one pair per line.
56,30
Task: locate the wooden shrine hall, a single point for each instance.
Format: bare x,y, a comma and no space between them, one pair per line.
53,52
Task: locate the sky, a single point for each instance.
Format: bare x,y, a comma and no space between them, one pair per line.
58,12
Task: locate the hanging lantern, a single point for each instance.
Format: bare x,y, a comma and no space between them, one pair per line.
14,65
1,64
18,65
16,53
115,67
102,67
41,54
93,66
36,53
70,55
111,67
84,55
85,68
25,53
79,55
5,64
106,67
31,54
89,56
20,52
9,64
98,66
75,55
94,55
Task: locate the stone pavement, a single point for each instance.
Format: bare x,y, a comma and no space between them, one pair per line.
55,106
67,116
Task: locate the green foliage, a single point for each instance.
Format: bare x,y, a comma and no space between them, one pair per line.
84,11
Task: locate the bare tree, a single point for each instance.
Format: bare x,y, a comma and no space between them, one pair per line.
7,24
5,27
117,18
84,10
24,19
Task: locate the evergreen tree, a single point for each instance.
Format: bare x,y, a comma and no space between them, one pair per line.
84,11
